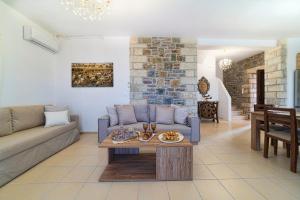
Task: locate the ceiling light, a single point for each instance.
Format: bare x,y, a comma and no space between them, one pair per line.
88,9
225,64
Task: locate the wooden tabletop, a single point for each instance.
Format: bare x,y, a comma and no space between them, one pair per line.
135,143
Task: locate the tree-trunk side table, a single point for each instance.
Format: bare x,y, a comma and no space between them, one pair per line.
208,110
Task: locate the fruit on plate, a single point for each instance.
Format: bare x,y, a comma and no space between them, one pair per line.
170,136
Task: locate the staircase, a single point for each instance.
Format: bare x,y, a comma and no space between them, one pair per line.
237,114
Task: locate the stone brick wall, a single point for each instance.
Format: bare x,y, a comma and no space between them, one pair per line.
241,82
163,70
298,61
276,76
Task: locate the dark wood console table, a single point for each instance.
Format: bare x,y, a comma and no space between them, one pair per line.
208,110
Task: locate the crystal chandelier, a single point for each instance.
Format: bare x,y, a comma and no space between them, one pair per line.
88,9
225,64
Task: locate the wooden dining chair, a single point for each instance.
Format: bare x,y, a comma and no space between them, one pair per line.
262,107
281,125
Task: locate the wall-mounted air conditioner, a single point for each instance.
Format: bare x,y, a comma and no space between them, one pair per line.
41,38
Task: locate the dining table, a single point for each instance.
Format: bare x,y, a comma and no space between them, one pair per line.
257,118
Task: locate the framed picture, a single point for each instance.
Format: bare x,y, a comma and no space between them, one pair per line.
92,75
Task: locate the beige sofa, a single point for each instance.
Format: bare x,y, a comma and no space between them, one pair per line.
24,142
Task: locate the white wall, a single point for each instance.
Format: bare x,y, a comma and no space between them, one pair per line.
90,103
27,71
293,47
206,67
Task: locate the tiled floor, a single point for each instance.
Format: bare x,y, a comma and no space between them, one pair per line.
224,168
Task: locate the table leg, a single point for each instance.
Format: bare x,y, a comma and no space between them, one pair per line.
174,163
111,152
255,133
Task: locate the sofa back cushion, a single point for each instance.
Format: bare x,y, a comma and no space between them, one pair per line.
25,117
5,122
141,112
152,110
180,115
164,114
126,114
113,116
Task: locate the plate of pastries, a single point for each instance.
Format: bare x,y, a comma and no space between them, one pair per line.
171,137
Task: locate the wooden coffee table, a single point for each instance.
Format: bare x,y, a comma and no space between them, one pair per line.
170,162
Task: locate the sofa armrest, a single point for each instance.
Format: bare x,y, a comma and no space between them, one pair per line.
194,123
103,124
75,118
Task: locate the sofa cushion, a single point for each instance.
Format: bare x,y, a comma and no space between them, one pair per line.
5,122
180,114
22,140
185,130
113,116
152,114
25,117
141,112
51,108
126,114
138,126
164,114
57,118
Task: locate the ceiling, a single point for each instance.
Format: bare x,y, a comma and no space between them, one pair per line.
260,19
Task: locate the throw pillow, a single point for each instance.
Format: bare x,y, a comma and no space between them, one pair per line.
141,112
126,114
56,118
180,114
51,108
113,116
152,109
164,114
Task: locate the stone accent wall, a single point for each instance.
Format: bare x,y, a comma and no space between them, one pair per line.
298,61
240,82
163,70
276,76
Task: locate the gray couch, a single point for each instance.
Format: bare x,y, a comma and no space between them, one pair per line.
191,130
24,142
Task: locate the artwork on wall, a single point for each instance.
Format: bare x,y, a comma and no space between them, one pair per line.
203,87
92,74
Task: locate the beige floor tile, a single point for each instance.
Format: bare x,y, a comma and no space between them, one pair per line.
270,190
179,190
65,191
240,190
124,191
94,177
53,174
153,190
24,192
62,160
221,171
211,190
247,170
291,186
209,158
79,174
94,191
94,160
31,176
202,172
